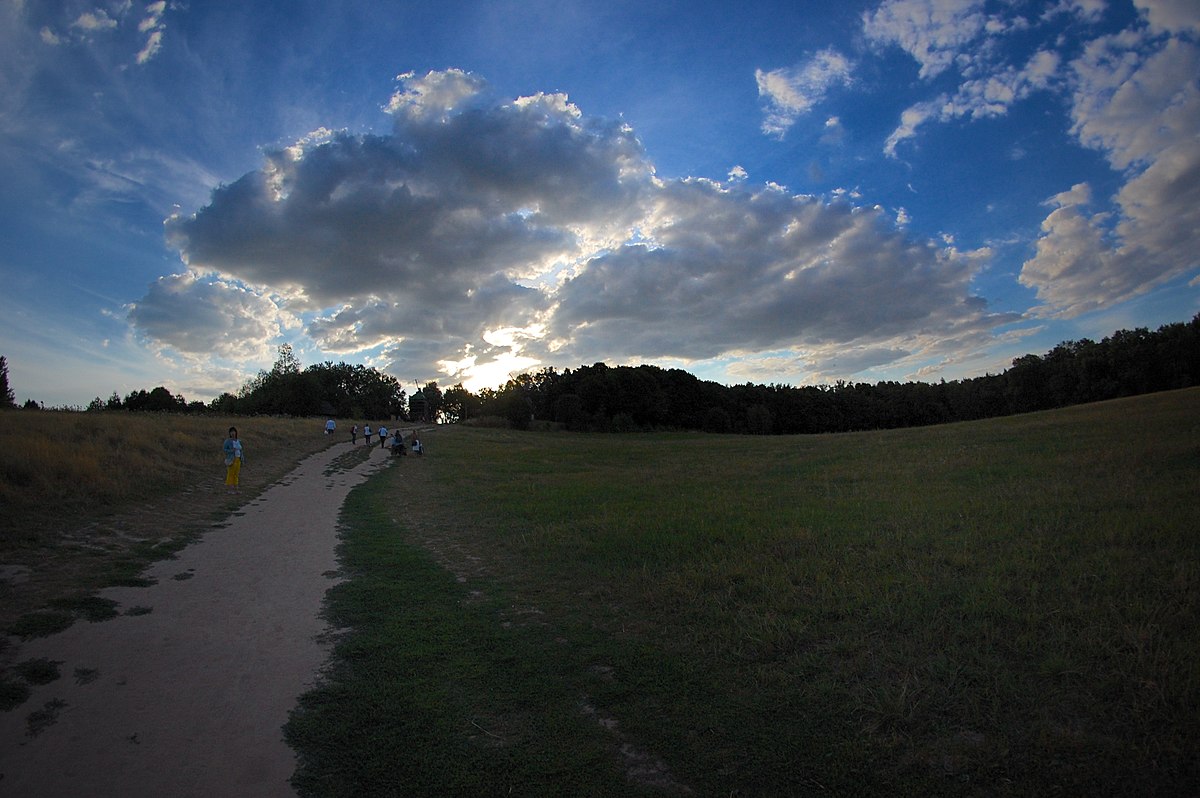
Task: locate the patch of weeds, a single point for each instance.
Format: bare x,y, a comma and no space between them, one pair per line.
93,608
127,572
39,671
139,610
86,675
134,581
41,624
12,695
348,461
44,718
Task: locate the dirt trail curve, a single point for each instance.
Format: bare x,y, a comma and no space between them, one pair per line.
189,698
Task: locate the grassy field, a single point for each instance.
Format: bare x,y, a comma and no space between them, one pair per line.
87,500
998,608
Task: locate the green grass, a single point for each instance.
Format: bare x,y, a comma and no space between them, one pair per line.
999,608
463,706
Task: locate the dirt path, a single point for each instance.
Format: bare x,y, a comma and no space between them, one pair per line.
189,698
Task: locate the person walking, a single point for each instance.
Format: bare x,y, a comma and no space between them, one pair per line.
367,434
234,457
354,435
382,436
330,426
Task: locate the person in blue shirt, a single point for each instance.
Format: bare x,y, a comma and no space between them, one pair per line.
233,460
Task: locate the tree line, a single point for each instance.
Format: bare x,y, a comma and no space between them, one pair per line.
602,398
339,390
630,398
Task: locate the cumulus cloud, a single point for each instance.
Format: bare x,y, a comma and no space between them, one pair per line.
209,317
1134,96
1142,111
934,32
434,232
480,233
791,93
1171,16
736,270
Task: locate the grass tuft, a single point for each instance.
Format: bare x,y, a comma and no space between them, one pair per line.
12,694
39,671
41,624
91,608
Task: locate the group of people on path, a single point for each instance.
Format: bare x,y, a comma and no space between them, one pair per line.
398,445
235,453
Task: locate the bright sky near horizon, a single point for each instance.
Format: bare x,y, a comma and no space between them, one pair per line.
774,192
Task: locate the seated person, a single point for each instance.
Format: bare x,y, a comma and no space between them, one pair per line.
416,445
398,445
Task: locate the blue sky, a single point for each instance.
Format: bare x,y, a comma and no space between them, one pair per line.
775,192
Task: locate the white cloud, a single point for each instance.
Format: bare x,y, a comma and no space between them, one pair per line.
748,271
1133,107
201,316
473,217
151,25
432,233
980,98
434,95
1142,112
995,94
1171,16
792,92
153,45
1087,10
153,18
94,21
934,32
911,119
1071,252
107,20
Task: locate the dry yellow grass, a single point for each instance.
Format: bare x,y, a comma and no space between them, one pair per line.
87,497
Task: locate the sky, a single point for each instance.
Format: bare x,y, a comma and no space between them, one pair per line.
794,192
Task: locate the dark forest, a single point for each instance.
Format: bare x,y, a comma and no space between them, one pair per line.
602,398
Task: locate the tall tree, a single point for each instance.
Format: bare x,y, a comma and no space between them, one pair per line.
6,395
286,363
